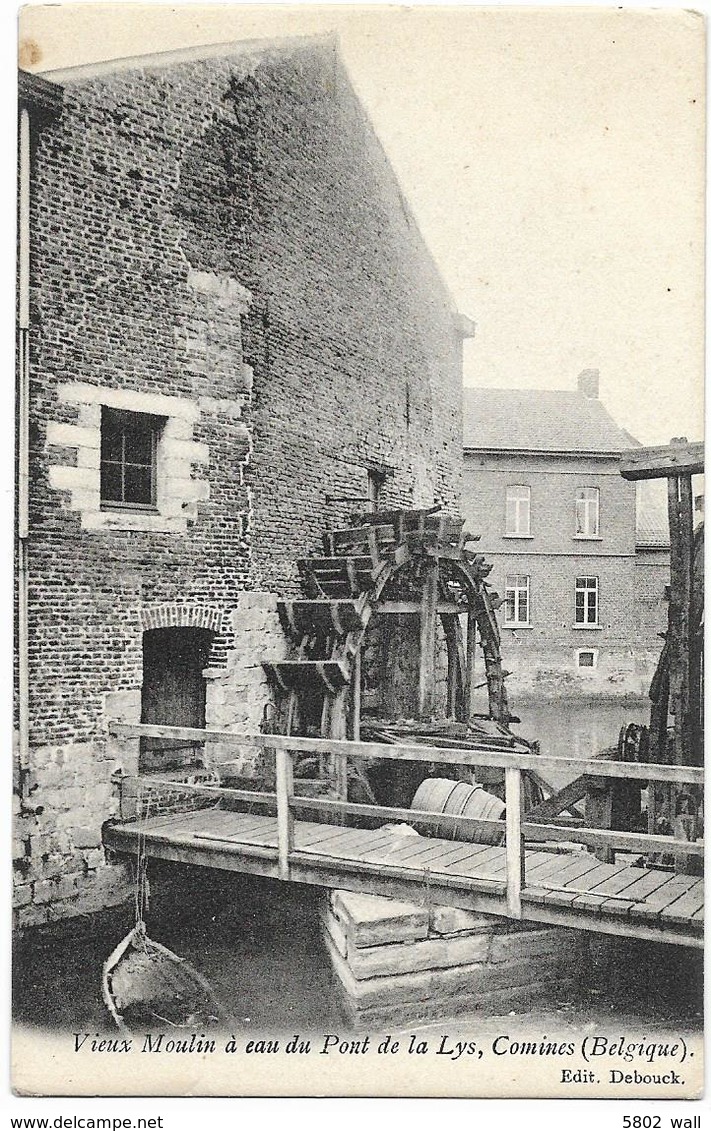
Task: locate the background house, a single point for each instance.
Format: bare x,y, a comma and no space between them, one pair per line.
580,562
232,331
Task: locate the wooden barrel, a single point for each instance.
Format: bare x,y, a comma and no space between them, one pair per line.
432,795
460,799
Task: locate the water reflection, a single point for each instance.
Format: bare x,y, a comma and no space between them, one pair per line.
577,730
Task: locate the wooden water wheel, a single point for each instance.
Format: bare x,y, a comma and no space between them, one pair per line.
409,564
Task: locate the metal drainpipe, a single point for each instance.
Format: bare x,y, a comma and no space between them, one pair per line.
23,450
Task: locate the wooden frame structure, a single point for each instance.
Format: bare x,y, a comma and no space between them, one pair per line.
677,686
513,896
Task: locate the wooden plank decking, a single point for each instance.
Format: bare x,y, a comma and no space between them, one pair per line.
572,889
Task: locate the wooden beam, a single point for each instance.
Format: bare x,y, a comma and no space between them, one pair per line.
356,690
564,798
380,517
515,845
470,673
598,814
455,666
636,771
681,458
393,883
536,833
428,628
400,608
335,721
285,817
682,708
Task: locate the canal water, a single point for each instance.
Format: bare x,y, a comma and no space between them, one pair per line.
578,729
258,941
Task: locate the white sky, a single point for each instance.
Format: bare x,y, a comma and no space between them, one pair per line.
554,160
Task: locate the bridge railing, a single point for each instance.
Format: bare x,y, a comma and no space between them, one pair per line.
517,828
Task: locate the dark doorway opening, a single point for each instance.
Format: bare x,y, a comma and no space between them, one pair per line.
173,694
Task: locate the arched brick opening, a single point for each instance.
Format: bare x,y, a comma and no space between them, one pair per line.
173,614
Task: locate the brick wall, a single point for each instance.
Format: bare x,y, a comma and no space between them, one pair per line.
543,657
351,336
651,577
220,241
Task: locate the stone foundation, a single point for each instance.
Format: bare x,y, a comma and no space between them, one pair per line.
59,867
397,963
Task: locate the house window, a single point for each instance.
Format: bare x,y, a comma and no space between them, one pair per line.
129,444
517,599
586,600
587,512
518,510
587,658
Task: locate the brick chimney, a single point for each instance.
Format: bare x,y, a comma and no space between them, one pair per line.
589,383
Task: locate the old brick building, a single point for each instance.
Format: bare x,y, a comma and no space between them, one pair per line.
580,557
232,329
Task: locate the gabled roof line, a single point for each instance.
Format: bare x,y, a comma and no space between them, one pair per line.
253,48
157,59
541,421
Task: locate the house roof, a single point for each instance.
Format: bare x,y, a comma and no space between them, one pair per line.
540,420
652,515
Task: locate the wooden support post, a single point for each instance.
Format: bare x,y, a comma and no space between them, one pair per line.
652,804
337,726
455,666
470,676
682,726
681,522
696,651
515,844
686,828
658,792
598,813
676,589
285,816
452,673
355,696
428,629
340,780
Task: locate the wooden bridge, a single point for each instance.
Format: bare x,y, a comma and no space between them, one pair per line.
538,871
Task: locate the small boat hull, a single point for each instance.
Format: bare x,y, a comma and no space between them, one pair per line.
145,985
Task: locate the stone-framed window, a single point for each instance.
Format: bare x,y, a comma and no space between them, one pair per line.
129,459
586,659
167,474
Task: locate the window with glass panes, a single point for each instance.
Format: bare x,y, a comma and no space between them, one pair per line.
129,442
517,608
587,512
518,509
586,600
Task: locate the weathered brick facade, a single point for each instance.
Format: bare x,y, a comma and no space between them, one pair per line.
217,240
